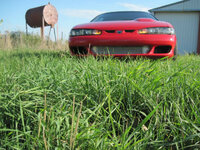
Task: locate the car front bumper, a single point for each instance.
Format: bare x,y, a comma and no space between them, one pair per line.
159,45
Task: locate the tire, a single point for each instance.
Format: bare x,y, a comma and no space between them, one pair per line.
175,52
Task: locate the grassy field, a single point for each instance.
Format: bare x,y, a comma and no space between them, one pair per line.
50,100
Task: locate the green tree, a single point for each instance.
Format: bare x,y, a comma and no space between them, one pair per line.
1,21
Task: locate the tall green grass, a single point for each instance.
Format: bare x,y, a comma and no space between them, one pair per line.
50,100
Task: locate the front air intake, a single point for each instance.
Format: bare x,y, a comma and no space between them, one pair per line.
162,49
114,50
79,50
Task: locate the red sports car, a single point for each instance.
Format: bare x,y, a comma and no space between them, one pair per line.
125,33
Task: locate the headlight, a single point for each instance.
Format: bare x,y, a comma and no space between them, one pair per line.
158,30
81,32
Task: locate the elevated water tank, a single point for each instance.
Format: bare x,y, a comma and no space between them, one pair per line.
36,16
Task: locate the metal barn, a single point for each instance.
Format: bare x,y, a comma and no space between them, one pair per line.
185,17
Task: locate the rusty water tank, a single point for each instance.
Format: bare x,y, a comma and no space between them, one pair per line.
48,12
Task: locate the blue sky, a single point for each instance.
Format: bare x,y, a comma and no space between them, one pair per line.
71,12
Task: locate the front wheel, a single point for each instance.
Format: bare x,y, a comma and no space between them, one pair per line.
175,52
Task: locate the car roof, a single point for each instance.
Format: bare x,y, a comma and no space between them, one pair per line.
123,12
126,12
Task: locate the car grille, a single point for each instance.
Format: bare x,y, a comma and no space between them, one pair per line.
119,31
106,50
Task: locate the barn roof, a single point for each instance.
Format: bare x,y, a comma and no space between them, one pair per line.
184,5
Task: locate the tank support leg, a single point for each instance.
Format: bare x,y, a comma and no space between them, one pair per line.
55,34
49,34
26,29
42,29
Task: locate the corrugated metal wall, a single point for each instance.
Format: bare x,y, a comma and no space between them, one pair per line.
182,6
186,25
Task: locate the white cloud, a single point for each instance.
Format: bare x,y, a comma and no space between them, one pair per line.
134,7
80,13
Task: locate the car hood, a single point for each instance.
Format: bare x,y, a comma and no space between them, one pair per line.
117,25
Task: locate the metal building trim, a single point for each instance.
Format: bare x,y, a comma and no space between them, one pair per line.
198,42
189,10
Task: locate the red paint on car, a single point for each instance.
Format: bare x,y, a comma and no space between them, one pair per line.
138,37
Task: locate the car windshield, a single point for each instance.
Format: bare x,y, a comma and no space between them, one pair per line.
120,16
